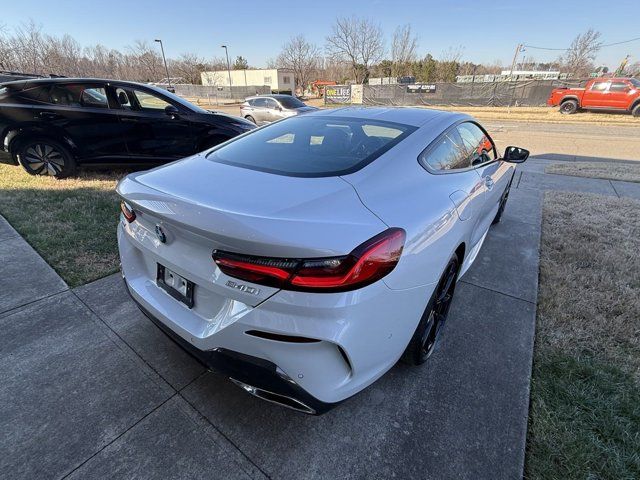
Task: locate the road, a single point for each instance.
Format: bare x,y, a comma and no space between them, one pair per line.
569,141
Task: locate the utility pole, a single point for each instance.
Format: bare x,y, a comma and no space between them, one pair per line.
165,62
228,65
513,66
515,58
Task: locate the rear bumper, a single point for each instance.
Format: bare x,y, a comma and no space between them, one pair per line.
321,347
248,372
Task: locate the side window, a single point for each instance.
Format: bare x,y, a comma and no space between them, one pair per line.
148,101
618,87
67,95
95,97
478,145
599,86
271,103
449,153
260,102
33,95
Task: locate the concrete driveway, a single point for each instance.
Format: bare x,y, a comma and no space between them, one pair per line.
92,389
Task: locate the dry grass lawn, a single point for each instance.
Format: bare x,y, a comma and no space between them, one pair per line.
585,398
70,222
609,171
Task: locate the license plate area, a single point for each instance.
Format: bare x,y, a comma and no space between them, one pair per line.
175,285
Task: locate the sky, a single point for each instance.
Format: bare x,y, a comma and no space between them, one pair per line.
487,31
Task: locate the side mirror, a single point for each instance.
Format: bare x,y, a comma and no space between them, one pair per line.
171,111
515,154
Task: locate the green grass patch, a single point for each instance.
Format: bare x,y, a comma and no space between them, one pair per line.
585,420
71,222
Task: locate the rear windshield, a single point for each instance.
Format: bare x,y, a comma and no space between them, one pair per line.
312,146
290,102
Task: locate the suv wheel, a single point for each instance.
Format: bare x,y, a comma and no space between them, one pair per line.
568,107
426,335
46,157
636,111
251,119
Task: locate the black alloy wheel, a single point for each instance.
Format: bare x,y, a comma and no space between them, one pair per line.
426,336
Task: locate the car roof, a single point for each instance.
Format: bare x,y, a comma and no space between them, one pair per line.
270,95
406,115
37,81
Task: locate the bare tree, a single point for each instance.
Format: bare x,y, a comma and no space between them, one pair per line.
189,67
149,59
358,41
302,57
448,64
403,50
579,58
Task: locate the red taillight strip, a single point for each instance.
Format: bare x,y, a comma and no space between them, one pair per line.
254,268
368,263
128,213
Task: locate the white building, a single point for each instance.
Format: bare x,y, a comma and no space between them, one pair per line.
279,79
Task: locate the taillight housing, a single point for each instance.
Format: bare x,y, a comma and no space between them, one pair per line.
366,264
128,212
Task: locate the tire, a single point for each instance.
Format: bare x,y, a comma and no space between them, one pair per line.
503,203
636,110
427,333
41,156
251,119
569,107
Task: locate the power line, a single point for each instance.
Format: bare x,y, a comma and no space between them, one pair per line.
565,49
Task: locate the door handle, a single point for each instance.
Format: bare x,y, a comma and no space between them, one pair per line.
48,115
488,182
129,119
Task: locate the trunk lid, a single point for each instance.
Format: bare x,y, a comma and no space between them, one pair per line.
204,205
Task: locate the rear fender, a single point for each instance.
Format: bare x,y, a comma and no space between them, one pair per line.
14,138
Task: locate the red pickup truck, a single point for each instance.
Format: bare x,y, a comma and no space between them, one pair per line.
599,94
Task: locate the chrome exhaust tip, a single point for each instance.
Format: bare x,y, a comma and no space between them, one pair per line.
282,400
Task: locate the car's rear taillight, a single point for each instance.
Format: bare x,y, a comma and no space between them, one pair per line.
128,212
368,263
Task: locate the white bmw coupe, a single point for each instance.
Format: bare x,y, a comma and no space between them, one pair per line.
305,258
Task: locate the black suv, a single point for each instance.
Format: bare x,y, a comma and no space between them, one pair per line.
51,126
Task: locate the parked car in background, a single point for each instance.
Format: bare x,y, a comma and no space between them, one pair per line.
264,109
304,260
53,126
621,94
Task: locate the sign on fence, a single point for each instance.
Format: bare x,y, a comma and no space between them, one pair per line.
421,88
337,94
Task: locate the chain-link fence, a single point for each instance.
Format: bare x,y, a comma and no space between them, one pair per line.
530,93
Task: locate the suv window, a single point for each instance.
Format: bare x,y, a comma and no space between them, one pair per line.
94,97
33,94
260,102
148,101
449,153
77,95
271,103
479,147
291,102
311,146
599,86
635,82
618,87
